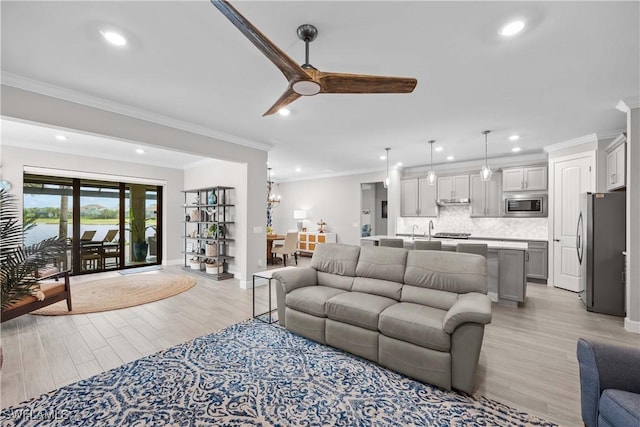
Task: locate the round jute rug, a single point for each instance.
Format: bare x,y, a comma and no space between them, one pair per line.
119,292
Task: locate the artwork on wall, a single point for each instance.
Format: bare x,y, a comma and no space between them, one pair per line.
384,209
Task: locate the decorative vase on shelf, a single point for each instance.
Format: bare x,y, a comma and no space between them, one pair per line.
212,198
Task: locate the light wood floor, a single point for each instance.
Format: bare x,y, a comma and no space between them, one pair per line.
528,358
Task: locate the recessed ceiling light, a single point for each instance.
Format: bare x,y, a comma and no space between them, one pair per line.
298,169
512,28
439,149
515,149
284,112
399,164
383,157
139,151
449,157
514,137
114,38
61,138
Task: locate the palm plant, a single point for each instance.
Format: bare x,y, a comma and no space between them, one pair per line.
18,262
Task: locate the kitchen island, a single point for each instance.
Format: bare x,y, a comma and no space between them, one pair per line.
506,264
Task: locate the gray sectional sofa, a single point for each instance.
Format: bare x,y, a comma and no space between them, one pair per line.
421,313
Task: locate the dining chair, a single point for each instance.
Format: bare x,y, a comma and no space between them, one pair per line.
111,234
393,243
290,247
87,235
473,248
427,245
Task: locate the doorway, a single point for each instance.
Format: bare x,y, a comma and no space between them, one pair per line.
108,225
373,209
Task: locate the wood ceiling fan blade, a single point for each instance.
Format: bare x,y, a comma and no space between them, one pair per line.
362,83
287,98
290,69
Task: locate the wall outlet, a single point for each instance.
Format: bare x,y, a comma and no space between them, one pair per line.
260,263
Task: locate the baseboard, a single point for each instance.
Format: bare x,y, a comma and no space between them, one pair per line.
631,325
179,261
245,284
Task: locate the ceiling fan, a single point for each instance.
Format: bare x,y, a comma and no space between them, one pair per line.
306,80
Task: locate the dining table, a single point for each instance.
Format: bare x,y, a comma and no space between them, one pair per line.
270,239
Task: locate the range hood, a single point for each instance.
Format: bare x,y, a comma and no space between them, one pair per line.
452,202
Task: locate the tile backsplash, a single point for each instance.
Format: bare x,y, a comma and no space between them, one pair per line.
456,219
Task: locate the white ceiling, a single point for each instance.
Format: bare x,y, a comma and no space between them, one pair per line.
560,79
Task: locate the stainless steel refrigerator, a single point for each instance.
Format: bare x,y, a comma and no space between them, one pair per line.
601,239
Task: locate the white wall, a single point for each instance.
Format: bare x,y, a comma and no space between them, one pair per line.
15,159
33,107
336,200
212,173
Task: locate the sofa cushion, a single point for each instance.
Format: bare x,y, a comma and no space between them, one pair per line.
336,258
382,263
447,271
311,299
431,297
358,309
620,408
335,280
384,288
417,324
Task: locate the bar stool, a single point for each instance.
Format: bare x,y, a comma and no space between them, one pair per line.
427,245
473,248
393,243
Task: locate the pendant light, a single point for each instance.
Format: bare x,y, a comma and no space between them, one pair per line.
485,172
431,175
387,181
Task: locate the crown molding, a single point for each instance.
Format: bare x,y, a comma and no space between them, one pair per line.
471,165
334,175
591,138
611,134
47,89
627,104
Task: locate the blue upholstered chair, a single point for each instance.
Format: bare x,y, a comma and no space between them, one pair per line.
609,384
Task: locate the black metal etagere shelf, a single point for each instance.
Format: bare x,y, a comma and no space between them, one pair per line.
208,231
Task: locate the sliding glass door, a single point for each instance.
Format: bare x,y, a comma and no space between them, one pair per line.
108,225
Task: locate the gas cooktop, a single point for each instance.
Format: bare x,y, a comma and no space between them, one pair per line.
446,235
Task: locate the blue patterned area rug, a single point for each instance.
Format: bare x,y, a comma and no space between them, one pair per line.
256,374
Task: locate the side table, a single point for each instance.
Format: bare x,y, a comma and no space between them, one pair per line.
268,276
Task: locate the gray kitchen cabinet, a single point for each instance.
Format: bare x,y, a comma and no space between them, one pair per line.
418,198
486,197
453,187
524,179
537,258
616,163
409,197
427,198
512,282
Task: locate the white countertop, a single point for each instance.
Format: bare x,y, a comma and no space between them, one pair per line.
491,244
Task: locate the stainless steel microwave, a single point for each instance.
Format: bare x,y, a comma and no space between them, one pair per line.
525,205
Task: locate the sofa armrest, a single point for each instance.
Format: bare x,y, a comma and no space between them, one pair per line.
471,307
296,278
604,366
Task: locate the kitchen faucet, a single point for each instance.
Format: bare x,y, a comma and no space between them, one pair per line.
413,231
430,228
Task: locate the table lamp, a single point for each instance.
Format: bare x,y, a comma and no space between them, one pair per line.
300,215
